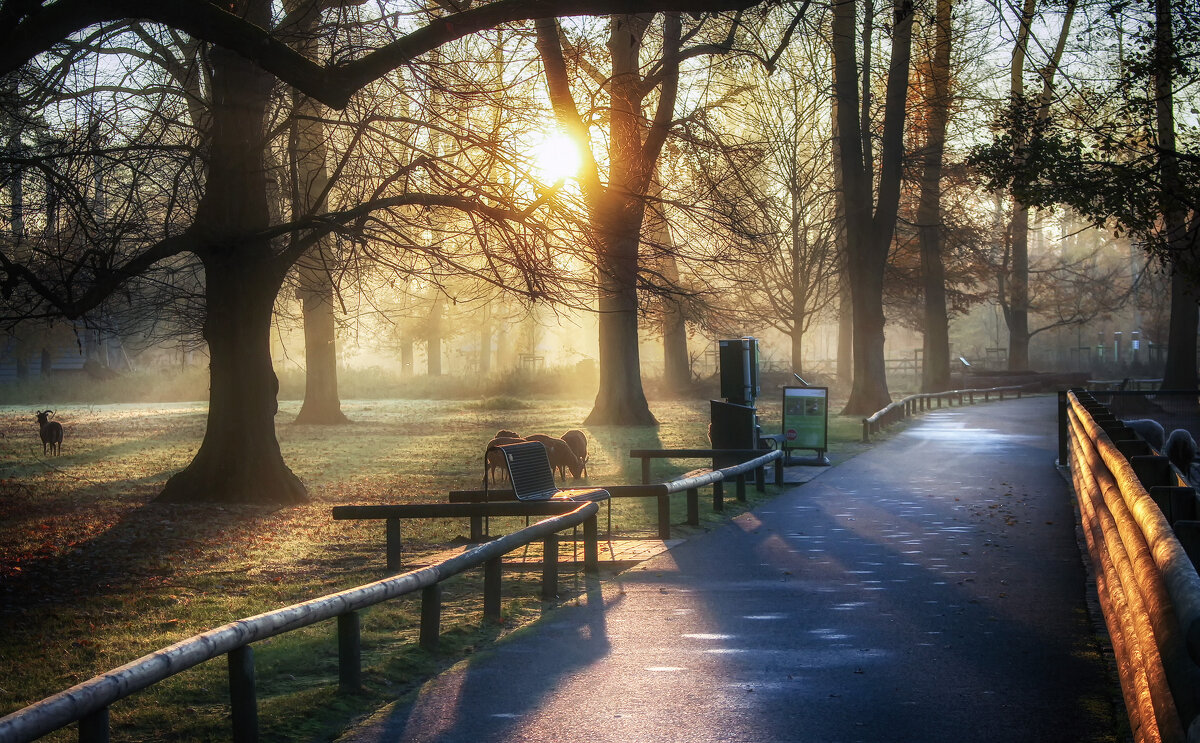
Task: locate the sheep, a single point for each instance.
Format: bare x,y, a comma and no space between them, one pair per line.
560,454
1150,430
51,432
578,443
1180,448
494,460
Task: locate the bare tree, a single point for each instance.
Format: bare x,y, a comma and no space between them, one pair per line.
230,232
870,212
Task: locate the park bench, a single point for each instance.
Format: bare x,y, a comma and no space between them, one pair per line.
534,494
689,483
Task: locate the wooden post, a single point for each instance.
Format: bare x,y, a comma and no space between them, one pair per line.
431,615
550,567
393,545
349,634
94,728
491,591
741,486
1152,470
645,470
693,506
1063,441
243,700
1188,534
664,517
1176,503
591,546
476,528
718,496
760,479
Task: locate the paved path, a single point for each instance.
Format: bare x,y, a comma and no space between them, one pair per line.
929,589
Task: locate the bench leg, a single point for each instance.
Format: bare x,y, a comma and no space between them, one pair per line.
476,528
718,496
393,545
664,517
741,487
431,616
645,470
550,567
491,591
591,546
779,470
760,479
693,506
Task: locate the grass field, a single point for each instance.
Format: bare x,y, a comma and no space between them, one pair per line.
94,574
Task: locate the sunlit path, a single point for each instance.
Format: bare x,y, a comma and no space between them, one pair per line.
929,589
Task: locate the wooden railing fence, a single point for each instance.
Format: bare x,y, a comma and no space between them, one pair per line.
911,405
1148,587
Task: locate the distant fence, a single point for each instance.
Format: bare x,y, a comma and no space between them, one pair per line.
1137,520
907,406
89,701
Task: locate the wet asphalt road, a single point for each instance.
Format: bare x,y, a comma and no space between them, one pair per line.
929,589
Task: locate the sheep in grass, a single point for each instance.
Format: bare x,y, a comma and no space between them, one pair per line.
578,443
561,457
494,460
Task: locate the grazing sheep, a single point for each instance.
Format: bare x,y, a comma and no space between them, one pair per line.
1180,448
561,457
1150,430
51,432
494,460
578,443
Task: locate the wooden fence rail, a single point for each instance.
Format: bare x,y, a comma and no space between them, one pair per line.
1148,587
908,406
88,702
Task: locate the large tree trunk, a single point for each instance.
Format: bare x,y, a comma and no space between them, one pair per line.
310,180
677,366
239,460
935,370
433,338
1016,310
321,402
485,341
1180,370
845,337
620,399
869,230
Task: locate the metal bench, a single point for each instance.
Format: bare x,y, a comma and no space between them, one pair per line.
533,479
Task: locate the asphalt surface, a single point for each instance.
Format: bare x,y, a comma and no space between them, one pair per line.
929,589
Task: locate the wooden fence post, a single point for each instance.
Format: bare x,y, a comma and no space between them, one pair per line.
431,617
491,591
243,700
349,634
550,567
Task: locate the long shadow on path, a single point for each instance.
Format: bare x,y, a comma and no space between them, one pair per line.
930,589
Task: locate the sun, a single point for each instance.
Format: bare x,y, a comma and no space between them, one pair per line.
556,157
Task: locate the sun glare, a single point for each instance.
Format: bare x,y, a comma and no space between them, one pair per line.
557,157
